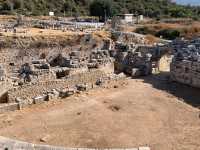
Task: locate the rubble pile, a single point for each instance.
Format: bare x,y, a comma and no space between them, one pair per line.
98,58
127,37
133,62
62,66
185,66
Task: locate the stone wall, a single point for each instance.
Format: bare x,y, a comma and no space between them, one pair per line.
107,68
37,89
185,66
186,72
133,61
9,107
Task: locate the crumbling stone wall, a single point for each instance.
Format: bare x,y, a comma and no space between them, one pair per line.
186,72
185,66
132,61
30,91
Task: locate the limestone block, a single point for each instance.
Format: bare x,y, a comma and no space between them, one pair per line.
135,72
40,99
144,148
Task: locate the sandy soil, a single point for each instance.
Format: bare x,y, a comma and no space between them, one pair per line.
135,115
32,32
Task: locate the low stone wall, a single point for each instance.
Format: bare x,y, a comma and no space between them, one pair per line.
9,107
30,91
103,82
8,144
186,72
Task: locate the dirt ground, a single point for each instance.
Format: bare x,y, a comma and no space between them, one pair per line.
137,114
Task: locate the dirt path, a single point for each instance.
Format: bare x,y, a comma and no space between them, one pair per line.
131,116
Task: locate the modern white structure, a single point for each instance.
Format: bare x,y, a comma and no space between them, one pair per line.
126,17
51,13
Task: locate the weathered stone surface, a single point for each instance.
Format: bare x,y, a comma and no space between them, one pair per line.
144,148
135,72
40,99
9,107
10,144
133,62
185,66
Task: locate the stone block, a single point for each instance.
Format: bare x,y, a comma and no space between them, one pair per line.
135,72
40,99
82,87
144,148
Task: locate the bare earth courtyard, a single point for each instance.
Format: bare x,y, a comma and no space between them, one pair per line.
133,115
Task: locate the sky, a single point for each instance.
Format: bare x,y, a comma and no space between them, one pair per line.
192,2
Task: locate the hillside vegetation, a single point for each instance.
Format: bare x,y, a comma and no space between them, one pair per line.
150,8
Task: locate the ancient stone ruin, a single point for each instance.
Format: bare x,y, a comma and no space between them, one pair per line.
38,69
132,61
185,66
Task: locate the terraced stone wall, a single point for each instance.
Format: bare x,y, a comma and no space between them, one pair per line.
186,72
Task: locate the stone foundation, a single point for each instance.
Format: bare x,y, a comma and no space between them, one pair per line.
39,88
186,72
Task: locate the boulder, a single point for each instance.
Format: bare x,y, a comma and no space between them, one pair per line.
82,87
135,72
40,99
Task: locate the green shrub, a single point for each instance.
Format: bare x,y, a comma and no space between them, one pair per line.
145,31
169,34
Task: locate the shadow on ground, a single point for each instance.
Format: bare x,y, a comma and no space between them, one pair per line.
185,93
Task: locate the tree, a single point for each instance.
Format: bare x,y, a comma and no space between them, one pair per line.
101,9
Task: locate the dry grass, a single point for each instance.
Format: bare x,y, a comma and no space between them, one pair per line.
150,39
186,30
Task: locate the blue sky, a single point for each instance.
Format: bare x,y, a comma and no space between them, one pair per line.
192,2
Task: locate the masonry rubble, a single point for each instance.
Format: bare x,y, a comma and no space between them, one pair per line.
60,70
132,61
128,37
185,66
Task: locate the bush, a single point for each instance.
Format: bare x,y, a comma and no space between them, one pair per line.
169,34
145,31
